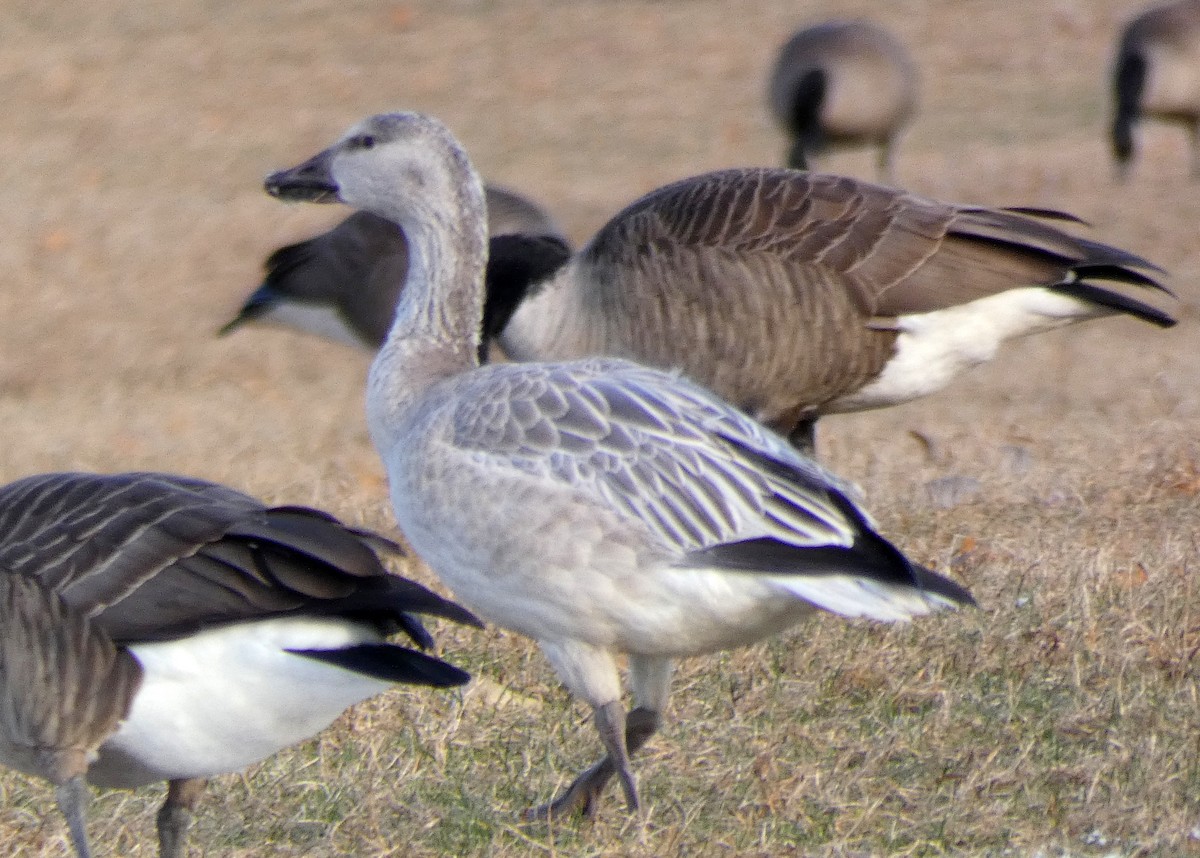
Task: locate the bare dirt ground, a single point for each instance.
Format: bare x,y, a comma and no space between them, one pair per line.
1062,482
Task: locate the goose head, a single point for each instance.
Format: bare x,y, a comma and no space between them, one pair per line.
401,166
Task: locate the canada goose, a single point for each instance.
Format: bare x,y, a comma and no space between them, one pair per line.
597,506
843,83
795,294
343,284
1157,74
159,627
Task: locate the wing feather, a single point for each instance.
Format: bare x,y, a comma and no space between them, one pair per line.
654,448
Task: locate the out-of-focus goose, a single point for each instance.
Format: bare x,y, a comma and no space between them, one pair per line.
597,506
157,627
843,83
1157,74
343,284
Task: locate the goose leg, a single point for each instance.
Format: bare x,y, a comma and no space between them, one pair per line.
72,799
651,681
175,816
885,160
583,795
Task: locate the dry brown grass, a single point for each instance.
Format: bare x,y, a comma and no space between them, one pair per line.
1061,718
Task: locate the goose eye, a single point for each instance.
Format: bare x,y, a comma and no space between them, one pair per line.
364,141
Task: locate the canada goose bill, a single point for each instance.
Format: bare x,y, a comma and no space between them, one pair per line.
597,506
159,627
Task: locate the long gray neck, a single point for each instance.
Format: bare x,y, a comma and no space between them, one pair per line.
436,331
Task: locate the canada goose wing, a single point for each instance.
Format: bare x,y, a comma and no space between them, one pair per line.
154,556
705,480
889,252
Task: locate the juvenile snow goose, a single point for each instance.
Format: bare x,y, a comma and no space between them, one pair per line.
157,627
843,83
599,507
344,283
1157,74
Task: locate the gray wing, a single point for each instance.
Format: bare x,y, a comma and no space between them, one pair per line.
655,449
710,487
153,556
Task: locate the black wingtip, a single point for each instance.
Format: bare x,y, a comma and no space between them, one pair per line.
391,663
1117,302
932,582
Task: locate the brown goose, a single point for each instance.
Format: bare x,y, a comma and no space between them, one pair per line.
344,283
795,294
1157,74
158,627
843,83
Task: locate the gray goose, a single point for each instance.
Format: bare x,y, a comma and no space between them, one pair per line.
597,506
1157,74
158,627
843,83
343,284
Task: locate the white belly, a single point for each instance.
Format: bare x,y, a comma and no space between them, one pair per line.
226,698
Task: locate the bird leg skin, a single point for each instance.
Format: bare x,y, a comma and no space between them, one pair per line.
583,795
175,816
72,799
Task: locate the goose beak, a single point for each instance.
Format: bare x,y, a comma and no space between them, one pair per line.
310,182
264,299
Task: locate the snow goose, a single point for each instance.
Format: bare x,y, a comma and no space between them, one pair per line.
1157,74
598,506
343,284
157,627
843,83
793,295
